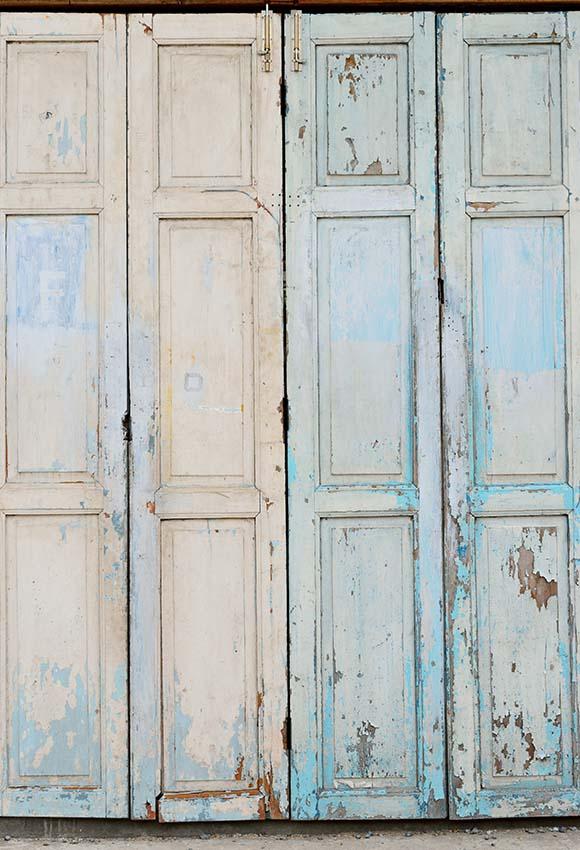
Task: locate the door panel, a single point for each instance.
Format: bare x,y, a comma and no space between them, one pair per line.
208,503
363,446
63,492
509,185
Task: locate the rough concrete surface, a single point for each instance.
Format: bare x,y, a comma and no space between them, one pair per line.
467,837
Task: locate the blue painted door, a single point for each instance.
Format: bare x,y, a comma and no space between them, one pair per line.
510,180
364,440
63,647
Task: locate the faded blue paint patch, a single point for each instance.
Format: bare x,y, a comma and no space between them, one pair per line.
216,759
83,128
120,684
304,783
59,747
65,142
365,279
118,522
66,525
523,295
92,441
518,321
55,673
291,466
47,258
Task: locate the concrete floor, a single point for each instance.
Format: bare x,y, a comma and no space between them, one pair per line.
557,835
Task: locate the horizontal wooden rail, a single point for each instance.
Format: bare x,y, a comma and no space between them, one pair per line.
310,5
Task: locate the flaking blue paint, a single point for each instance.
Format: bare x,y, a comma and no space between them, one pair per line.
191,766
118,523
63,746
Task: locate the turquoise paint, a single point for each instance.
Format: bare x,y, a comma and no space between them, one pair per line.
304,784
291,466
408,500
481,496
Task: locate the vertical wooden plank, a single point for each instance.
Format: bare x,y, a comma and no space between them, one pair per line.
363,456
63,489
143,359
510,475
208,507
573,343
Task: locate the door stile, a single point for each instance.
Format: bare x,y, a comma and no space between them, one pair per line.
145,604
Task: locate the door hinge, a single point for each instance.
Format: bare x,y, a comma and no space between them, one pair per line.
287,734
297,60
441,290
283,411
266,51
126,427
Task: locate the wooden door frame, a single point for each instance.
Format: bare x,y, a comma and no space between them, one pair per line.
157,6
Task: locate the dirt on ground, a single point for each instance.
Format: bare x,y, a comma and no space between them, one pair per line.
557,836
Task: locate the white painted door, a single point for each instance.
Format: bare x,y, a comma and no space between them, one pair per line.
63,647
207,495
364,434
510,184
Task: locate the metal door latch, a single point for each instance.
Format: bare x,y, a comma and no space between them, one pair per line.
297,60
266,51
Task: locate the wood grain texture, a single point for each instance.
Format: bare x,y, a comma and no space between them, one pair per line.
310,5
63,524
366,629
208,662
510,367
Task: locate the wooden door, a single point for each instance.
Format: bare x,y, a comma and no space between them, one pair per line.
510,184
63,647
364,439
207,493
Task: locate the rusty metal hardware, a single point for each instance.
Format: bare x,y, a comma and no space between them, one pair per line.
266,51
297,60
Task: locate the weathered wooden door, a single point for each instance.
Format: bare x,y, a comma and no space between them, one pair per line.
510,184
207,497
63,644
364,441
